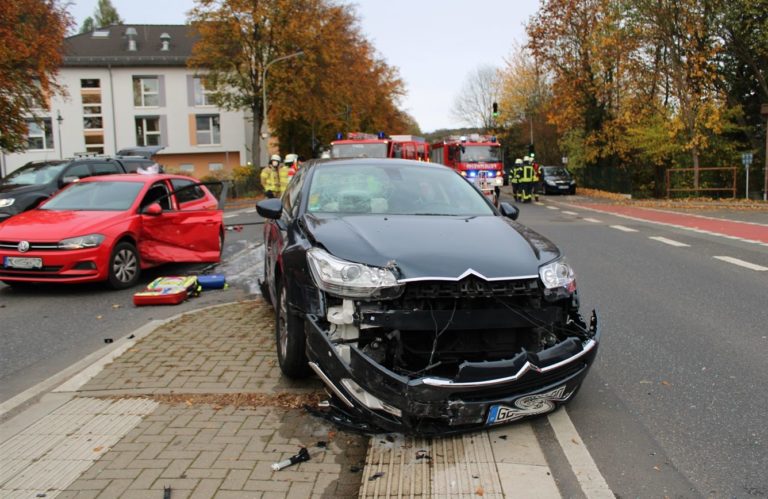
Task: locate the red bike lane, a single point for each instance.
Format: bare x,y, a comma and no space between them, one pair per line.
729,228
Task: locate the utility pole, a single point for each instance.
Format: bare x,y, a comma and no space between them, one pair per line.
764,112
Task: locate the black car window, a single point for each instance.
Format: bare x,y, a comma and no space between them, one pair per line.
158,193
34,174
188,194
292,197
80,171
393,189
95,196
105,168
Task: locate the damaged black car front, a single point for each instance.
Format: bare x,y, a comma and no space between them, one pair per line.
430,317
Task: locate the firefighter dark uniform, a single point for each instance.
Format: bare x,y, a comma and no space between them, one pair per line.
526,182
514,177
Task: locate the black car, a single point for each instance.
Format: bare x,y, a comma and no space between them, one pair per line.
420,306
557,179
28,186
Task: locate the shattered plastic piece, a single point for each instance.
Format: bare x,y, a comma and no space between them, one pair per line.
131,336
167,492
322,444
302,456
376,476
355,469
423,454
108,340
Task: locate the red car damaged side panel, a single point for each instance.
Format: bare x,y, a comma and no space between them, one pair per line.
181,236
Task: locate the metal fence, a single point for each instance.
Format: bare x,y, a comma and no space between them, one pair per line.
711,181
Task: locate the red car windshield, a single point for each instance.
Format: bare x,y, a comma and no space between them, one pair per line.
95,196
371,150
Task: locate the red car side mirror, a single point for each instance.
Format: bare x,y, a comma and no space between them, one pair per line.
154,209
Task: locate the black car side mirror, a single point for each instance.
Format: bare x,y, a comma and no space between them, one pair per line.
270,208
508,210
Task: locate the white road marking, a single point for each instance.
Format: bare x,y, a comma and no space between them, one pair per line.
742,263
550,207
590,479
670,242
622,228
570,213
593,220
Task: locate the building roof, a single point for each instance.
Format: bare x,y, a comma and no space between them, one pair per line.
109,46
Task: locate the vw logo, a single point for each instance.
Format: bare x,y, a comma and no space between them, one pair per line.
23,246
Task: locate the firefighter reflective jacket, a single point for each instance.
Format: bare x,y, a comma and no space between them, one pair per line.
269,178
284,177
528,174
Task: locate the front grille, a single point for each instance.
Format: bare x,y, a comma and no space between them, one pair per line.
43,272
471,287
14,245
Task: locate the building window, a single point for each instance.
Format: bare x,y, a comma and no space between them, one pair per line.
146,91
203,96
40,134
148,131
90,83
208,129
187,167
93,123
215,167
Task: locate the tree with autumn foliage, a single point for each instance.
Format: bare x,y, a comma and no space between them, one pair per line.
338,83
31,45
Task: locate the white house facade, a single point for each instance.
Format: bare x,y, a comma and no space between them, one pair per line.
129,86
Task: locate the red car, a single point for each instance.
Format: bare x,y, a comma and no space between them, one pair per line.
111,227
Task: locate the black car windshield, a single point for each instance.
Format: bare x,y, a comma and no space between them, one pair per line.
95,196
393,189
555,171
378,150
481,154
35,174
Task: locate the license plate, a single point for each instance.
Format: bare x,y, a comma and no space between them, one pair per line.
562,186
15,262
528,405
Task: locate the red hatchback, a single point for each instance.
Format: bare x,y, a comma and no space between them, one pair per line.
109,228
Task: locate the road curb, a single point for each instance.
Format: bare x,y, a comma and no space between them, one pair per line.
74,376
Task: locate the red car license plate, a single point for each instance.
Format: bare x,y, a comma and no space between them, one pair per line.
15,262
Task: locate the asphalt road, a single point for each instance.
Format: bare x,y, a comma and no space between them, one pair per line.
47,328
676,403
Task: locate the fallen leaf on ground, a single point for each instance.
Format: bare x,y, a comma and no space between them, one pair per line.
98,449
666,383
479,490
656,468
116,305
575,441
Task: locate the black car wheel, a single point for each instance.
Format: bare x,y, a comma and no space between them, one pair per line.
124,267
290,338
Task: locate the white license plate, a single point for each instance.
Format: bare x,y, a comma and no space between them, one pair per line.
562,186
528,405
15,262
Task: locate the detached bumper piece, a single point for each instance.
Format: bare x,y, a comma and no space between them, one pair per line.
368,397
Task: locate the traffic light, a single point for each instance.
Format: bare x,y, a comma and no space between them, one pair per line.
531,151
495,109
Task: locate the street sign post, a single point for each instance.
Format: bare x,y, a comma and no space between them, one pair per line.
746,160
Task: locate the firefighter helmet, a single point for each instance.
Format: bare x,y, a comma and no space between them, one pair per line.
518,161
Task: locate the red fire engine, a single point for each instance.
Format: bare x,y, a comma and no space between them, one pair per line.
367,145
476,157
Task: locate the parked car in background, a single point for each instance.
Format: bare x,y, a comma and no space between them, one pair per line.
557,179
109,228
27,187
422,307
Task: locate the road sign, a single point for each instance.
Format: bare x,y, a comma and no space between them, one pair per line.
746,159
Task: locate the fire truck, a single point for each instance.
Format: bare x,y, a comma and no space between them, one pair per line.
367,145
476,157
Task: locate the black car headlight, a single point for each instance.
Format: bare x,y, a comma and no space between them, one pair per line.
550,181
558,278
81,242
350,279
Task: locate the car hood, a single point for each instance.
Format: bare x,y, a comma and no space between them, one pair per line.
44,225
11,190
557,178
425,247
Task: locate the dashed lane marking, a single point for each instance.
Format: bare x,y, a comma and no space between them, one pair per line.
550,207
570,213
742,263
622,228
670,242
593,220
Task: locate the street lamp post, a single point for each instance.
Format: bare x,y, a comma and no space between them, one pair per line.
59,120
265,128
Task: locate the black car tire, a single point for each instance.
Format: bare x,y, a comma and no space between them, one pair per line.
290,338
572,191
124,267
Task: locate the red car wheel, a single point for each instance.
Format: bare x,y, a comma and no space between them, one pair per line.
124,266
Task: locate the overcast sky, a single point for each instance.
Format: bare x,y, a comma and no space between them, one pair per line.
434,43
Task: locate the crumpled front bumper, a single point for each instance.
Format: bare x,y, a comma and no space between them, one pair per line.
493,393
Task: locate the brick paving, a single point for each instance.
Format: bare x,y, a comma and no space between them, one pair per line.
215,449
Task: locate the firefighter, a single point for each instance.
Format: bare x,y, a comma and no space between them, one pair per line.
514,177
526,180
538,187
270,177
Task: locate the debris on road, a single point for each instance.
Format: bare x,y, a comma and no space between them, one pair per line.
376,476
302,456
